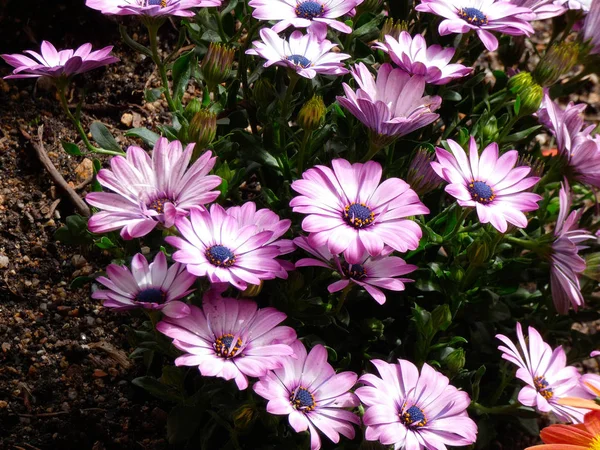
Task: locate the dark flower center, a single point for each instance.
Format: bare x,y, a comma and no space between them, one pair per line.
413,417
302,399
481,192
220,256
358,215
541,385
158,204
161,3
151,295
299,60
473,16
356,271
309,10
223,348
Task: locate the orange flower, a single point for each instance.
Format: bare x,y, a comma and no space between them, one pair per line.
584,436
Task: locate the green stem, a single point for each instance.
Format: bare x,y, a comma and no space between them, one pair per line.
294,77
529,245
162,70
508,128
343,297
373,150
461,219
504,409
442,213
301,153
219,20
63,101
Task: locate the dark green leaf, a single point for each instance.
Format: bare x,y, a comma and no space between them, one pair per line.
71,148
103,137
158,389
149,137
182,70
151,95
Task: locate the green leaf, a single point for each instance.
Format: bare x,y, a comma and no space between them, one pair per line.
517,106
370,27
158,389
96,186
80,282
105,243
104,137
71,148
149,137
151,95
182,70
133,44
521,134
452,96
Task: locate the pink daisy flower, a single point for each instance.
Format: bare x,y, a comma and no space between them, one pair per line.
391,106
151,191
312,395
421,177
483,16
595,353
414,57
151,286
371,273
546,374
491,184
565,263
231,339
314,14
591,383
351,212
590,27
215,245
267,220
414,411
151,8
584,5
543,9
55,64
305,54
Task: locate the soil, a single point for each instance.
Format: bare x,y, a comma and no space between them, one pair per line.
64,368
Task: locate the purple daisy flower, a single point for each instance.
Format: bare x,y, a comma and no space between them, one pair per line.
543,9
314,14
414,57
312,395
414,411
492,185
595,353
565,263
591,383
483,16
151,8
590,27
267,220
371,273
576,146
421,177
546,374
151,286
303,53
214,244
231,339
351,212
584,5
56,64
391,106
148,192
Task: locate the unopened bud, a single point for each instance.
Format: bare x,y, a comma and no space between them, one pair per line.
372,328
558,60
202,130
392,28
592,266
511,50
455,361
519,82
263,91
373,6
217,63
244,417
531,99
311,115
192,108
421,177
252,290
478,252
536,165
490,130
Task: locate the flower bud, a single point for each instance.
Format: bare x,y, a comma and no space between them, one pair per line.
478,252
192,108
455,361
244,417
519,82
536,165
592,266
311,115
263,91
490,130
558,60
252,290
373,6
203,129
217,63
511,50
392,28
372,328
421,177
531,99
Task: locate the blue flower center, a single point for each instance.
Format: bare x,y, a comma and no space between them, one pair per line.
413,417
302,399
309,10
161,3
356,271
220,256
223,348
358,215
481,192
473,16
299,60
151,295
541,385
158,204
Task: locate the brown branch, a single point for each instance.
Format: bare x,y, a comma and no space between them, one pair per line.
81,207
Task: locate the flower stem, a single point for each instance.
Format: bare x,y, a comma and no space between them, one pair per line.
219,20
162,70
301,153
65,105
529,245
461,219
294,77
343,297
373,150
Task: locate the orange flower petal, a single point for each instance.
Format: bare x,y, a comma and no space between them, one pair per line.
565,434
579,403
556,447
592,423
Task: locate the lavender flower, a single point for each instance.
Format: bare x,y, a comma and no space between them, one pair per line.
591,24
231,339
312,395
421,177
148,192
150,286
314,14
56,64
543,9
414,411
491,184
546,374
216,245
351,212
391,106
151,8
305,54
414,57
482,16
